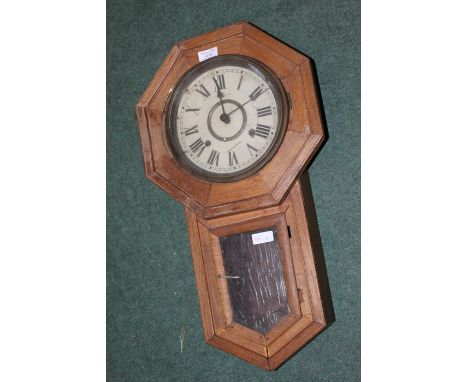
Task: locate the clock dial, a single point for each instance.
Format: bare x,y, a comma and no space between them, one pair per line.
226,118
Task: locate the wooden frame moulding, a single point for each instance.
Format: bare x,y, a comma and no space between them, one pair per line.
303,137
304,272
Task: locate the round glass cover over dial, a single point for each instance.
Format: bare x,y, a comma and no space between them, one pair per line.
226,118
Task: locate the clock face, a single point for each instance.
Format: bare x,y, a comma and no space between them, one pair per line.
226,118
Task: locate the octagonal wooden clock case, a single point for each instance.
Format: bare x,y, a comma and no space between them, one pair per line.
228,125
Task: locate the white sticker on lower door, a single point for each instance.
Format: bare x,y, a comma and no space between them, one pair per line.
262,237
206,54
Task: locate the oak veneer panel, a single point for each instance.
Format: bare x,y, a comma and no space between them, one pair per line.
212,37
309,265
211,278
164,85
148,159
280,66
169,170
231,45
290,348
158,77
239,351
292,144
200,276
277,331
273,43
288,335
177,193
246,333
299,120
298,261
288,268
313,253
246,189
241,336
221,283
311,98
248,204
225,221
310,147
246,225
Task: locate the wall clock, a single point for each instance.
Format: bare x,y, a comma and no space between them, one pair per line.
228,125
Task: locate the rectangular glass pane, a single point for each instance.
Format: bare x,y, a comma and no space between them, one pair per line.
255,278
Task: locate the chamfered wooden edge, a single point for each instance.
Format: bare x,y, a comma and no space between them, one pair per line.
310,215
309,270
270,185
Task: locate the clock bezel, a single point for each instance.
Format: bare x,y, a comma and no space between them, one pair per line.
170,120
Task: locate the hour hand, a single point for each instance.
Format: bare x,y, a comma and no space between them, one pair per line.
223,117
219,94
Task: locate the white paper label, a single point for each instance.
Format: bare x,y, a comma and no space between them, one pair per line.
262,237
205,54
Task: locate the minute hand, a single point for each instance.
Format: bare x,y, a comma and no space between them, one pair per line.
237,108
245,103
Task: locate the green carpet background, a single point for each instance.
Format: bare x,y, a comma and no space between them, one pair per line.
151,290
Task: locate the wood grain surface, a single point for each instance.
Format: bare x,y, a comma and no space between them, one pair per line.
286,276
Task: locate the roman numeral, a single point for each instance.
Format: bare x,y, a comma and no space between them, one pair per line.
220,83
192,109
232,158
262,131
263,111
214,157
251,148
198,146
204,91
192,130
240,82
256,93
